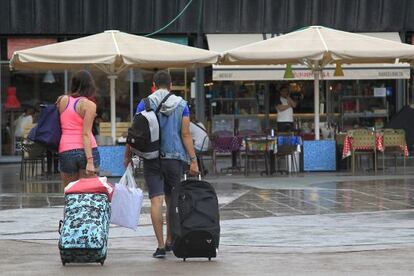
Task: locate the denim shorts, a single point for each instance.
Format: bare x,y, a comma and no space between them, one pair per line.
71,161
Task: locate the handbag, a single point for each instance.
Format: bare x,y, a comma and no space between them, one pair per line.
47,132
126,201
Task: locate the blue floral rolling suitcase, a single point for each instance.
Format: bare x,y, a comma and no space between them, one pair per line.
84,229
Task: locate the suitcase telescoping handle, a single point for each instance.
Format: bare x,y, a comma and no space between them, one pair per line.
186,174
60,226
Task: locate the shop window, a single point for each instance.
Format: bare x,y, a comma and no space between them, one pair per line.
179,82
32,90
363,103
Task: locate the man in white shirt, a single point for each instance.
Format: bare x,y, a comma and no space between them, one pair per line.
284,108
201,141
25,119
200,136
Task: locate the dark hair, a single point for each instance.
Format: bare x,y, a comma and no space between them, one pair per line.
82,85
284,87
162,79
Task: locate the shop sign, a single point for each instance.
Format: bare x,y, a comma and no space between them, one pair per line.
351,72
16,44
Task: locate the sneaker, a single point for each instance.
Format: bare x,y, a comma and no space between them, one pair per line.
168,247
159,253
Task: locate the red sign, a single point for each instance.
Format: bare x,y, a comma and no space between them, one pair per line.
16,44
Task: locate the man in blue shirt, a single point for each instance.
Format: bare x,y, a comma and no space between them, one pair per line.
176,151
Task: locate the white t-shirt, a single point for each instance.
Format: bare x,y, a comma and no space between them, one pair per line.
198,136
285,115
21,123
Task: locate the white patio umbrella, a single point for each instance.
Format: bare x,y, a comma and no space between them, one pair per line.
112,52
317,46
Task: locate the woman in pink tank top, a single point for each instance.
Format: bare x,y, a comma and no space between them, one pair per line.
78,151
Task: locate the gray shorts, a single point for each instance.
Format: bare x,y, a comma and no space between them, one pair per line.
161,180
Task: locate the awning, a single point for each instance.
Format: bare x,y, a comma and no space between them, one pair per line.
222,42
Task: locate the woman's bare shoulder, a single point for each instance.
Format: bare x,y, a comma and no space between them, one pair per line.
61,102
86,104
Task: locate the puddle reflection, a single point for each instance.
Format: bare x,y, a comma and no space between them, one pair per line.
326,198
352,196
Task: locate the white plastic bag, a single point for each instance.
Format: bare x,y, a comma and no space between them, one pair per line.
126,201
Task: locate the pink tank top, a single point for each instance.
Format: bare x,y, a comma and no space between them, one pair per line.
72,127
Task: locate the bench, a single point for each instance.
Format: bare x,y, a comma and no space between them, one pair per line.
121,130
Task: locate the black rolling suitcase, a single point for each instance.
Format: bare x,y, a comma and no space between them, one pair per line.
194,220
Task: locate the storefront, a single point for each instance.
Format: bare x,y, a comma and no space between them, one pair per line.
32,88
367,95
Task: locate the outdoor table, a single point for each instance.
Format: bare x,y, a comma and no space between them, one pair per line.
226,144
273,142
379,138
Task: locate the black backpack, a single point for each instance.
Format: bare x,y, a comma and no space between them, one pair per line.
144,134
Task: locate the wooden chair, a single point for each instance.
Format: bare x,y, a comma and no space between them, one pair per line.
221,138
249,126
33,155
20,140
286,151
256,148
394,143
342,163
32,164
226,146
223,125
363,143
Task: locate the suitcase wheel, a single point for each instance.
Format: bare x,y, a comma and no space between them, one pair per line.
102,262
209,258
63,263
183,259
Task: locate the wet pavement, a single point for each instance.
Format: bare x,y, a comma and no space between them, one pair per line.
239,201
310,224
327,198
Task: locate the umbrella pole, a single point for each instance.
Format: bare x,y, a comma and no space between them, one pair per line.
267,107
316,107
131,94
112,79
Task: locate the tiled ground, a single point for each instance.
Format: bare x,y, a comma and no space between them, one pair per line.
328,198
242,201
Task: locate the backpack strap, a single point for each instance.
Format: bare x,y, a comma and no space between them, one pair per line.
200,127
147,104
156,112
163,101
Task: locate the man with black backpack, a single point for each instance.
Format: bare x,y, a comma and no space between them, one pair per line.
163,165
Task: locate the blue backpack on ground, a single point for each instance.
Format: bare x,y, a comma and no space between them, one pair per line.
47,132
